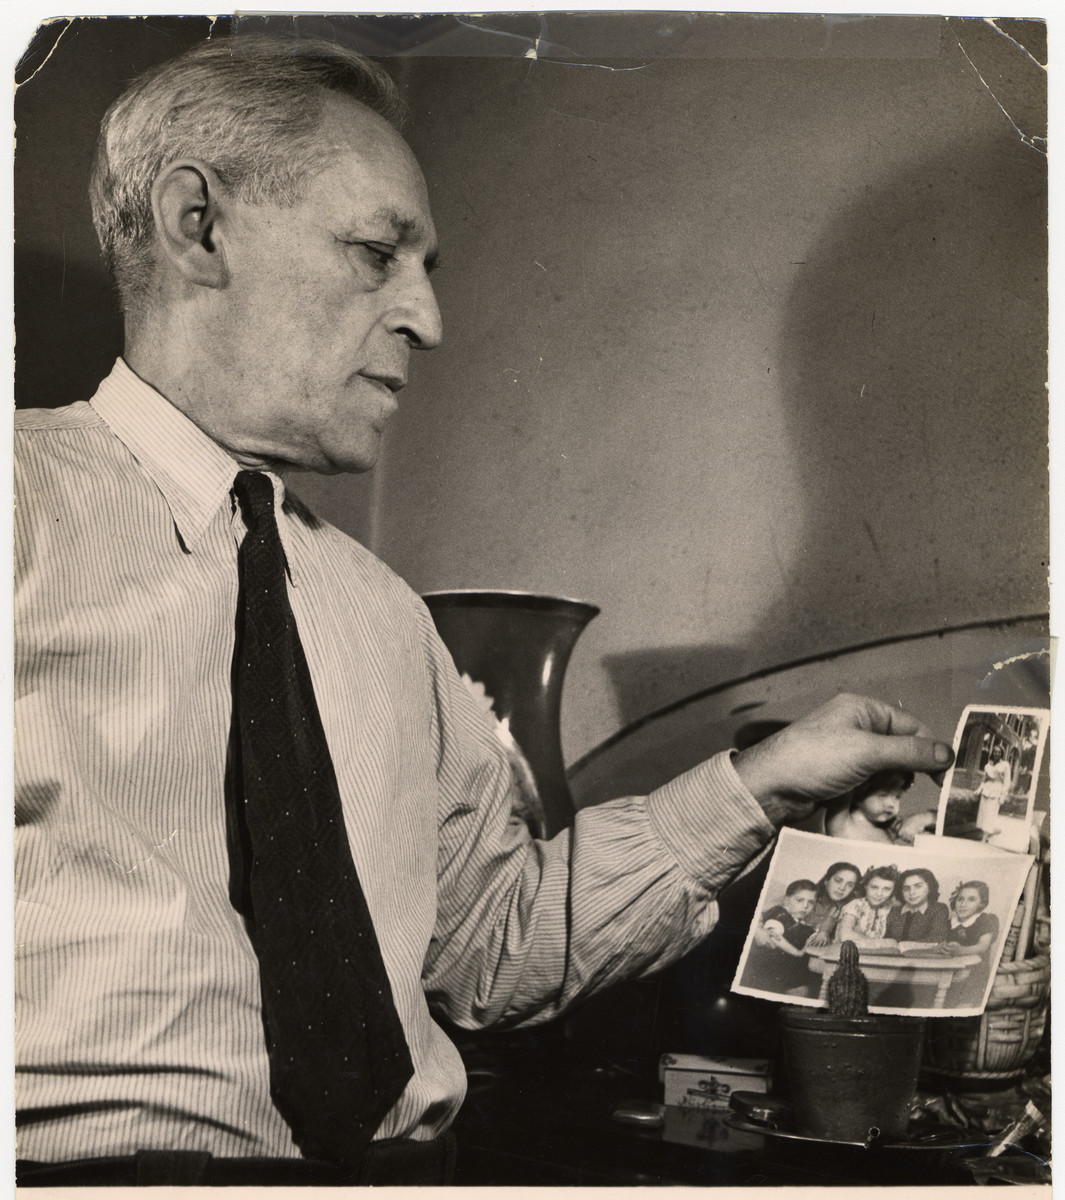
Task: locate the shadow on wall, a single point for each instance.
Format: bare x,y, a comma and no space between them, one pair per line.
67,321
915,353
68,307
649,679
913,360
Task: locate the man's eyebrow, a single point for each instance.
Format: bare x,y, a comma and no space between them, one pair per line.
409,227
398,221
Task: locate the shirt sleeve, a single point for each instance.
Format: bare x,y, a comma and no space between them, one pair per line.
799,934
525,926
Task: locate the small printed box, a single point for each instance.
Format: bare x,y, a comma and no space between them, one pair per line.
695,1081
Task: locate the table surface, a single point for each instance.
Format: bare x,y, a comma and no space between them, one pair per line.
914,970
940,962
543,1114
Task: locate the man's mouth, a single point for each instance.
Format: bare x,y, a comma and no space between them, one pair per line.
393,383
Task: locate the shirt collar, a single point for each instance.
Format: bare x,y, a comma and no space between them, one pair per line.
194,473
915,908
956,924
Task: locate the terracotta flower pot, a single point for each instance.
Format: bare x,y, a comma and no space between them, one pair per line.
852,1079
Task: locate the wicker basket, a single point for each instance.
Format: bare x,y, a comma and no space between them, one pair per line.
1001,1043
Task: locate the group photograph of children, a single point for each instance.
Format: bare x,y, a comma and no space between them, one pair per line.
929,922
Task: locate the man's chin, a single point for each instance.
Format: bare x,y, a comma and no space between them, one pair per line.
347,460
346,468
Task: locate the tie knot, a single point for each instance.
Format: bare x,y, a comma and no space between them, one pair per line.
255,494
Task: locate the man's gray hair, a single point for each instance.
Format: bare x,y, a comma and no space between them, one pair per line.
249,106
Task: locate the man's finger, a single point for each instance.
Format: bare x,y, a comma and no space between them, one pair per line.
887,719
910,753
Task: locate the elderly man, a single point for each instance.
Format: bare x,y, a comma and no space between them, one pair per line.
264,830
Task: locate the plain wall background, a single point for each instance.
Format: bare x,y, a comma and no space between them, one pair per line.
745,325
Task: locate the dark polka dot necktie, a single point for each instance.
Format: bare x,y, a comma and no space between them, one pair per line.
338,1056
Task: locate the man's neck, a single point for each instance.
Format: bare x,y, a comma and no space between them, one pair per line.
163,361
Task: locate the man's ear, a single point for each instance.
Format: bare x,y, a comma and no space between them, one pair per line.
185,204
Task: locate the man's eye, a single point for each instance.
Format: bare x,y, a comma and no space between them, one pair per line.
380,254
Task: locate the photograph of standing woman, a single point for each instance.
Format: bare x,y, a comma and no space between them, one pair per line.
990,793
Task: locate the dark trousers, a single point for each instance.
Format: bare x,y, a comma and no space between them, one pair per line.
395,1162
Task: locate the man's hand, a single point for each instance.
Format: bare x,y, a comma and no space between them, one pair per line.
834,749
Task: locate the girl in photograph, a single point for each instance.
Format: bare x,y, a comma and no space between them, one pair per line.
973,930
921,916
864,919
834,889
872,812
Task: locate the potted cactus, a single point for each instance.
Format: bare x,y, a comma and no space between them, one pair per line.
852,1075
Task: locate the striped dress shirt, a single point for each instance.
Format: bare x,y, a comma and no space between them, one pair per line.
138,1013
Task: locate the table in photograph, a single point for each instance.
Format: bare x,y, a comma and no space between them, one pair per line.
914,969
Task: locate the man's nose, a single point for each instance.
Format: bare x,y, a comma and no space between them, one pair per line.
416,315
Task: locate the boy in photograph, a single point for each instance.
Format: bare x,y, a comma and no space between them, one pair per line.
777,961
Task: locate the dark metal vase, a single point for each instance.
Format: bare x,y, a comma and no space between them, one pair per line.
518,645
852,1079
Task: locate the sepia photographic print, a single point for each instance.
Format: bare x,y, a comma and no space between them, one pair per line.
929,922
989,793
379,374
